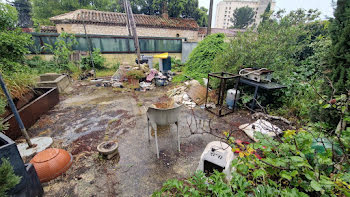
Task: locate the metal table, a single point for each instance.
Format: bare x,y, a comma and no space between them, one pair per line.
257,85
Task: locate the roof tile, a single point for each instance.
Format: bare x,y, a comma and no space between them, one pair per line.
114,18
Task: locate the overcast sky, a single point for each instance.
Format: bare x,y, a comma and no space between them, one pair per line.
325,6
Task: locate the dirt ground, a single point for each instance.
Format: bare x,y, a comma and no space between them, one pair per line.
89,115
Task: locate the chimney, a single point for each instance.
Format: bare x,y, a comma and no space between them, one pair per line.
165,10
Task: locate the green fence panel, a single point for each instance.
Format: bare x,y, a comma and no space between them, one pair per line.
110,44
147,45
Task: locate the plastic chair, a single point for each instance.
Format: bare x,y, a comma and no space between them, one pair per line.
163,117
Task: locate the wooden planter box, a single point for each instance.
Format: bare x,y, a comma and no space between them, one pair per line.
32,111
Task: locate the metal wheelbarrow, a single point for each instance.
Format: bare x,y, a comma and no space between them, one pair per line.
163,117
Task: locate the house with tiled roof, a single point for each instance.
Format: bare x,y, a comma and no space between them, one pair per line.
113,23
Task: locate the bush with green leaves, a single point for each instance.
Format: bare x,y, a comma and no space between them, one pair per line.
97,58
303,162
291,166
200,61
8,179
13,47
62,51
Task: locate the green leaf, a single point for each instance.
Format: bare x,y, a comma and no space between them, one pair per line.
297,159
286,175
343,109
326,106
316,186
242,168
294,173
259,173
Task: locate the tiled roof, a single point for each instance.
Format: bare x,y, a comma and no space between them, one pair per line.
48,29
114,18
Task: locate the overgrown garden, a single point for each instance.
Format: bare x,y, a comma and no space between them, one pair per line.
311,58
20,72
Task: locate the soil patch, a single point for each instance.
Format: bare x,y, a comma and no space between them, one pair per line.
87,142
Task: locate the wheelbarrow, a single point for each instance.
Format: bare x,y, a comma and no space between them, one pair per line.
163,117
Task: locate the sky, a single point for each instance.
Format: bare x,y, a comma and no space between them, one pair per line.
325,6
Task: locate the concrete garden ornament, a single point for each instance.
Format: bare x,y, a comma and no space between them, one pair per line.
217,156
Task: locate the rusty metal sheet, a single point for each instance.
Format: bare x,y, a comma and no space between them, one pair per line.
197,94
32,111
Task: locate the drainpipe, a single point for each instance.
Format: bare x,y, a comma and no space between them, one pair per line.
15,112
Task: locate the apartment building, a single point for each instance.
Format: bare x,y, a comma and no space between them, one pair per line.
225,9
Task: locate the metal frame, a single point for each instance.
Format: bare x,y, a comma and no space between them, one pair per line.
224,77
257,86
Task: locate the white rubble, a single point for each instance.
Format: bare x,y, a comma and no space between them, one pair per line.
261,126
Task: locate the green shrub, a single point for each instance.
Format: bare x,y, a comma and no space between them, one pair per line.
200,61
8,179
62,50
42,66
135,74
97,58
289,167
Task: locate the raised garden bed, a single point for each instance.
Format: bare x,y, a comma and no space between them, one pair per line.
45,99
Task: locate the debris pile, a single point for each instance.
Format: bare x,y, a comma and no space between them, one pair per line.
191,95
261,126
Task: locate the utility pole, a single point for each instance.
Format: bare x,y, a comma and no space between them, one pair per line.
210,17
132,26
90,49
127,20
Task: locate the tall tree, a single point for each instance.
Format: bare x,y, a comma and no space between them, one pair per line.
243,17
44,9
340,56
24,9
267,13
8,17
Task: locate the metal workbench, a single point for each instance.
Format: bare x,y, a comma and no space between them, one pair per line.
257,85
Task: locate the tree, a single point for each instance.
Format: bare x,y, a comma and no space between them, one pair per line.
201,16
340,56
24,9
243,17
8,17
44,9
267,13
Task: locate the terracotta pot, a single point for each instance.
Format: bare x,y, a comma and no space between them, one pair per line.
51,163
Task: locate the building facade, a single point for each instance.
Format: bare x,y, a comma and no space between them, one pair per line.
225,9
112,23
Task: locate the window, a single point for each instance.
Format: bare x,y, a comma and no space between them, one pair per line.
230,8
225,12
